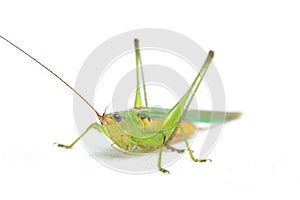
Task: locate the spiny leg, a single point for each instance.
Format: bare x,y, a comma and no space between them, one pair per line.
189,149
160,155
93,125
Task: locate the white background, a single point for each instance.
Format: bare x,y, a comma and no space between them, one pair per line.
257,54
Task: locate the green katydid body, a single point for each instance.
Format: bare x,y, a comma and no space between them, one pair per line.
146,129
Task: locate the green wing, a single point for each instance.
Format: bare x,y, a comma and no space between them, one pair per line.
204,116
207,116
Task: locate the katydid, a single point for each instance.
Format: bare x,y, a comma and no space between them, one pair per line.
144,129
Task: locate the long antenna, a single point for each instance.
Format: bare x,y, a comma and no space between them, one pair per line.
98,115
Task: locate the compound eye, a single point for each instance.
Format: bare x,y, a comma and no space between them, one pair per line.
117,117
